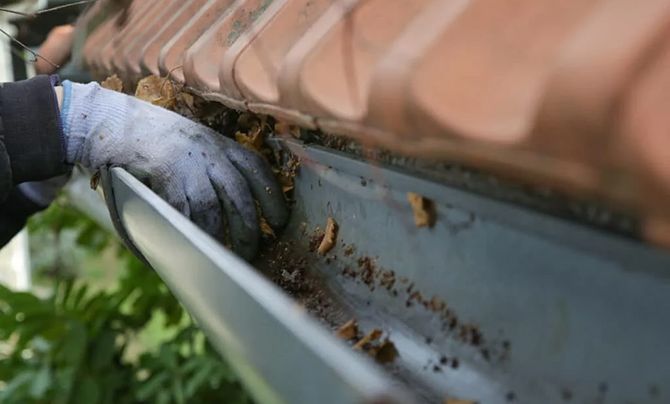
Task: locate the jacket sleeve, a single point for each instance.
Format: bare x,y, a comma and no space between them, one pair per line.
14,212
31,146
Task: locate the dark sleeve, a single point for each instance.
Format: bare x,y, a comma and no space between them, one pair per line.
13,214
31,135
31,147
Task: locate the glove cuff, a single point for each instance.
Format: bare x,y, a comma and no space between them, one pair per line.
89,110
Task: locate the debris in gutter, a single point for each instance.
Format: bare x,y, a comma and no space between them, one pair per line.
287,172
383,352
266,229
367,339
95,180
188,100
157,90
112,82
386,352
252,139
348,330
329,237
285,129
423,208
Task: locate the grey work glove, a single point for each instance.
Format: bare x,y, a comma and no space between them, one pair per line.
211,179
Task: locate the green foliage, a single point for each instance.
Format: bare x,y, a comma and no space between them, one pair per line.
79,344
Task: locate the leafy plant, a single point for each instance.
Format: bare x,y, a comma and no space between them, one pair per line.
80,343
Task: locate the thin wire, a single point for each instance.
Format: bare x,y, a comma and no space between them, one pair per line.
7,10
32,52
76,3
48,10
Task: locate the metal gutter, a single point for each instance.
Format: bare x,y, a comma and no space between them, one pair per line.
563,312
280,353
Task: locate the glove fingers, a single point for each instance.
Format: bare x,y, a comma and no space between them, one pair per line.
262,183
239,207
173,193
206,211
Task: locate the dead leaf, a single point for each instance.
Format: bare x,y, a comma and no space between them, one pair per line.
348,330
287,173
284,128
458,401
157,90
252,140
188,100
436,304
423,208
370,337
112,82
266,229
95,180
329,237
385,353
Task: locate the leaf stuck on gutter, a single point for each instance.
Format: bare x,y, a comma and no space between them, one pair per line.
386,352
157,90
329,237
348,330
112,82
369,338
423,208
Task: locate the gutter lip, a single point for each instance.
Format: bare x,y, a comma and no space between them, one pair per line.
334,372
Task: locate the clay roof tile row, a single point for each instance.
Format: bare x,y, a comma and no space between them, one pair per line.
572,93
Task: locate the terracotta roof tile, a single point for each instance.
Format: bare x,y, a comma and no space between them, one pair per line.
172,54
122,52
203,59
121,33
179,14
567,93
258,64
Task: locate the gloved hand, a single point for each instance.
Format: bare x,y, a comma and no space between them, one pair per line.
209,178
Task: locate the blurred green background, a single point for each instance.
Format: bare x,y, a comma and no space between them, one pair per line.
99,326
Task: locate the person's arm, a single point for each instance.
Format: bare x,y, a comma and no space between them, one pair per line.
207,176
31,149
211,179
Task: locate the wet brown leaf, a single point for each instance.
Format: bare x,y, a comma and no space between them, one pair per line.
368,338
112,82
157,90
95,180
287,174
458,401
266,229
423,208
285,129
329,237
385,353
348,330
188,100
252,140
